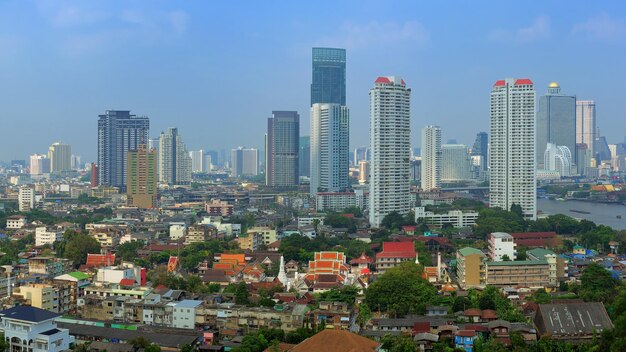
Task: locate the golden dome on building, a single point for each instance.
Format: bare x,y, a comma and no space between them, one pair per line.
553,85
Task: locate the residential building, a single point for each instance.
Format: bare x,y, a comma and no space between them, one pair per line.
250,240
456,218
16,221
200,233
184,314
45,236
431,158
71,287
330,153
174,161
558,158
141,178
218,207
339,201
556,122
268,235
282,149
39,164
38,295
456,163
501,246
470,267
244,162
394,254
512,147
586,130
29,328
329,76
26,198
390,148
118,133
200,161
60,156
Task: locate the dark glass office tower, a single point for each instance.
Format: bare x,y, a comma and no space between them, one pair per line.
305,156
118,133
282,150
556,122
329,76
480,148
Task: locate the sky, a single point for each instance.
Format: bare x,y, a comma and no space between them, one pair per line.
216,69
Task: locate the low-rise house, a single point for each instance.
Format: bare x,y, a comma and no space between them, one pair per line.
464,339
16,221
184,314
335,314
436,311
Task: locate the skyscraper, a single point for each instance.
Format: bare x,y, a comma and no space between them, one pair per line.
480,149
174,161
330,148
512,147
244,162
60,156
556,122
197,161
558,158
39,164
118,133
141,179
586,124
329,76
390,130
431,158
456,164
360,154
305,156
282,150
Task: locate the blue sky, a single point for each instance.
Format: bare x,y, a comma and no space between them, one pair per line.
216,70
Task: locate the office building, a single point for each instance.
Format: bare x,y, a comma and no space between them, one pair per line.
329,76
282,149
390,130
431,158
480,150
364,172
76,162
456,163
558,158
601,150
556,122
586,131
39,164
60,156
330,153
244,162
174,161
360,154
305,156
512,146
118,133
141,180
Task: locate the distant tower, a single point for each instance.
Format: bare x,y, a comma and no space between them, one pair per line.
141,180
556,122
586,131
431,158
174,160
512,147
118,133
390,131
329,76
282,151
60,156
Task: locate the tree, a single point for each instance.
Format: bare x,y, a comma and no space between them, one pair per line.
393,220
400,343
365,314
128,250
400,291
345,294
597,284
242,296
79,246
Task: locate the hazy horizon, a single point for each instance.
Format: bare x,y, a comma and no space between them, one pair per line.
217,70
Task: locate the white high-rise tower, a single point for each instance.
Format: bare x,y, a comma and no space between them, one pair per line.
174,160
512,147
390,102
329,145
431,158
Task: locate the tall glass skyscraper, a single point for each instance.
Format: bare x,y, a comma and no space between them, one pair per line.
282,150
329,76
118,133
305,156
480,148
556,122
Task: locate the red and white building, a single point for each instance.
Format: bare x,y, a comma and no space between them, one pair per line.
393,254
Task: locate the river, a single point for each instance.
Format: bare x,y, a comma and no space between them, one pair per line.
600,213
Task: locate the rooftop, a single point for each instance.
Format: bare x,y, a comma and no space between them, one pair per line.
469,250
28,313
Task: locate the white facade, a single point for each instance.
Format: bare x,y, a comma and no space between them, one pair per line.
197,161
456,218
39,164
586,131
43,236
456,163
174,161
26,198
25,330
558,158
244,162
431,158
501,244
390,147
16,221
330,149
60,156
512,146
177,230
184,314
113,275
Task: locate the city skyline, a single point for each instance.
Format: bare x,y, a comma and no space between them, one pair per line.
76,35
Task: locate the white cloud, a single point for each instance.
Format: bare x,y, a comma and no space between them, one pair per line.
601,27
355,36
539,29
179,20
